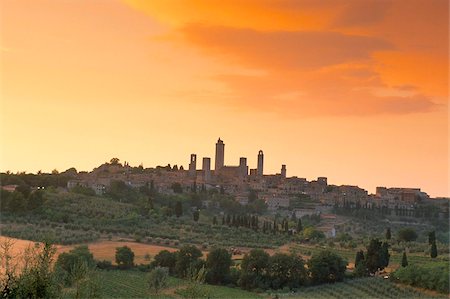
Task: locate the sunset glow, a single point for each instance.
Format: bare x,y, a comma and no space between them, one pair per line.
356,92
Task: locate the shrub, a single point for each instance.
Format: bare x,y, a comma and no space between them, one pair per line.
326,267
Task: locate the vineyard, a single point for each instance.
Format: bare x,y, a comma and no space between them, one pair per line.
375,287
132,284
395,259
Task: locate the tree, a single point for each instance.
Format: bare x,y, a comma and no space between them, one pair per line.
433,251
286,271
176,187
388,233
157,279
407,235
404,260
187,258
124,257
178,209
313,234
165,259
37,278
359,257
299,225
377,256
254,269
67,262
326,267
114,161
431,237
215,220
384,255
196,215
17,202
218,263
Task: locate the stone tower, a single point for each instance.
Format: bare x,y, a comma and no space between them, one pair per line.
243,168
283,171
220,153
260,163
206,168
193,165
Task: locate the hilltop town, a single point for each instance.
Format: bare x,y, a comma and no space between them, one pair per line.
282,194
164,212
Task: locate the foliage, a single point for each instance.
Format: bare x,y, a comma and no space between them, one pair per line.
188,257
68,262
37,278
433,276
157,279
254,269
370,287
407,235
178,209
313,234
377,256
165,259
431,237
218,263
286,271
404,260
433,250
388,233
124,257
326,267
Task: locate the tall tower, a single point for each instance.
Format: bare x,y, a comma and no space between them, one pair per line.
193,165
243,168
283,171
206,167
220,153
260,163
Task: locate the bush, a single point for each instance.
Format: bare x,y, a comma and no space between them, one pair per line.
105,265
433,276
326,267
124,257
157,279
407,235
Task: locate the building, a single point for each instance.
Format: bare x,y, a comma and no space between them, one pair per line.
193,165
283,171
220,155
206,168
260,163
243,168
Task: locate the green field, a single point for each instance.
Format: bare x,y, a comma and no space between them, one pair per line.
349,254
374,287
132,284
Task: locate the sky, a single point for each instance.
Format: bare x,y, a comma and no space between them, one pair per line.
356,91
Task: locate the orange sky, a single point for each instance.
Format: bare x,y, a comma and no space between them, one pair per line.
353,90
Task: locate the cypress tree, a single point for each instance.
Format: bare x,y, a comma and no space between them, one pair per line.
299,225
384,255
404,260
388,233
359,257
178,209
432,237
433,252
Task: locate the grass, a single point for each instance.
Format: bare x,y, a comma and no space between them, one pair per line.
133,284
374,287
349,254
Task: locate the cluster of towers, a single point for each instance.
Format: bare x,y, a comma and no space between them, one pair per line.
220,168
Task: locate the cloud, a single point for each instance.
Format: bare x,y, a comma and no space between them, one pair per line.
331,92
283,49
362,13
